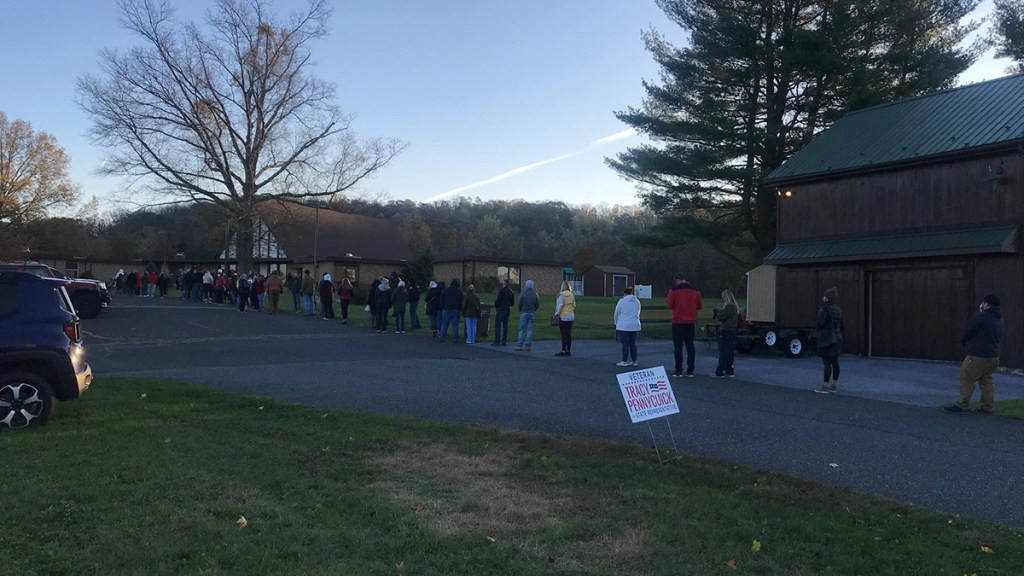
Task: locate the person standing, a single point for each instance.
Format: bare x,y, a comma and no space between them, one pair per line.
627,326
414,304
399,300
450,308
344,298
684,301
471,312
565,309
729,323
433,300
529,302
307,289
161,284
830,340
275,285
326,297
151,286
242,288
383,304
503,303
208,287
982,339
294,285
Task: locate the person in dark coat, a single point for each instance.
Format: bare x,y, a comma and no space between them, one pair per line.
433,306
414,303
371,301
503,304
399,300
830,340
242,287
383,304
982,339
450,308
326,290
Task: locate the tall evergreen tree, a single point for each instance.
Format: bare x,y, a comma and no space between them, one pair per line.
757,80
1008,32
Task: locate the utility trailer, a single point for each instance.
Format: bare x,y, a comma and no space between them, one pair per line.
760,330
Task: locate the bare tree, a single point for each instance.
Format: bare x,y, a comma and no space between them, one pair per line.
33,173
228,115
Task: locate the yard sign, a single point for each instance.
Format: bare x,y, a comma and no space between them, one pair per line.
647,393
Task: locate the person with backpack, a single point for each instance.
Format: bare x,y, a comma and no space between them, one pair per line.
242,289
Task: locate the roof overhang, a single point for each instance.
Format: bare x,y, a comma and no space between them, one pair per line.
1001,239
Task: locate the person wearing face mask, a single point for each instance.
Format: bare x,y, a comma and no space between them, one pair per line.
981,339
830,340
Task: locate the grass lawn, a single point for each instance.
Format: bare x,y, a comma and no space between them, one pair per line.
147,477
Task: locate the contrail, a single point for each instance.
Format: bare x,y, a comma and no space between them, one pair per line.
523,169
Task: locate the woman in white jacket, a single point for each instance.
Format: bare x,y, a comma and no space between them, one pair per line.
627,326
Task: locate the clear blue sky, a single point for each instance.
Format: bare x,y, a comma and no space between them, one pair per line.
496,99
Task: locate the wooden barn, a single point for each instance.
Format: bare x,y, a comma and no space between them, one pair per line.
607,280
913,210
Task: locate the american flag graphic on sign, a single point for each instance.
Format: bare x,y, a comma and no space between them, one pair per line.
659,386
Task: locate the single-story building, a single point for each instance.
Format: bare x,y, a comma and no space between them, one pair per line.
547,276
607,280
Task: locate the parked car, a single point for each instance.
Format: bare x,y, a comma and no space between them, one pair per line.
88,296
41,353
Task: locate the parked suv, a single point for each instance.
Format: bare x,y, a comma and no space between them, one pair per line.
88,296
41,352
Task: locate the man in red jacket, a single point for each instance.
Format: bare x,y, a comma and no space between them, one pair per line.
684,301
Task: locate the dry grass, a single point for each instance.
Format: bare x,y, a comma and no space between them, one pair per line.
483,494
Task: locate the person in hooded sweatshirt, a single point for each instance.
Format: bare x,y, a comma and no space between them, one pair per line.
627,326
450,308
529,302
471,312
383,304
981,338
830,340
399,300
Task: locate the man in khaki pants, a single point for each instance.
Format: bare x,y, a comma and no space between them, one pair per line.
981,338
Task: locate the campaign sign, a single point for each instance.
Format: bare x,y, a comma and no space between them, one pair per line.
647,394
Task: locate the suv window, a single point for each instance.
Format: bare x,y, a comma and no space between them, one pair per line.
9,298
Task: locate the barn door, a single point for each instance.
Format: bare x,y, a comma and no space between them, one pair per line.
919,312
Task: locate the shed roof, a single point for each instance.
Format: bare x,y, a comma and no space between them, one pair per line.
974,241
611,269
340,236
973,116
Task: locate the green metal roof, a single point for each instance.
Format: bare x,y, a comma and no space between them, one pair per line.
977,115
976,241
569,271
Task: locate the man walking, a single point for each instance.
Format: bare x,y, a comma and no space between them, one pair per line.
529,302
683,300
981,339
502,310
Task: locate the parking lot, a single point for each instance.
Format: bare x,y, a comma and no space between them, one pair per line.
882,434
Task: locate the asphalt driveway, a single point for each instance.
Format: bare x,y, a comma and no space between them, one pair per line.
882,434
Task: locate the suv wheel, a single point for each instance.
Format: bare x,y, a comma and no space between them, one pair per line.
87,305
26,400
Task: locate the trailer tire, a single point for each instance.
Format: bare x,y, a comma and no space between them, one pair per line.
794,347
771,338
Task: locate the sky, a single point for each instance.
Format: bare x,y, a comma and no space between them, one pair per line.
496,100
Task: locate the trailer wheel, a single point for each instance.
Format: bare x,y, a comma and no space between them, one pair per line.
770,338
794,347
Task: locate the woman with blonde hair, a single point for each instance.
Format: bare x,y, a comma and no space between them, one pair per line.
565,309
729,318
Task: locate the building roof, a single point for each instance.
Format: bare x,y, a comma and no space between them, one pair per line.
611,269
979,115
974,241
340,236
448,258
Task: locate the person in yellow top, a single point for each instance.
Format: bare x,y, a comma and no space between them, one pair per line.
565,309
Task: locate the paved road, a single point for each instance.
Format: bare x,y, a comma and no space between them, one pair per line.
883,432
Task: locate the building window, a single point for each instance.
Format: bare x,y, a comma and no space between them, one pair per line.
71,269
352,274
510,273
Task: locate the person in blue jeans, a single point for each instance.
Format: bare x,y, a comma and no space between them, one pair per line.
529,302
450,309
627,326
